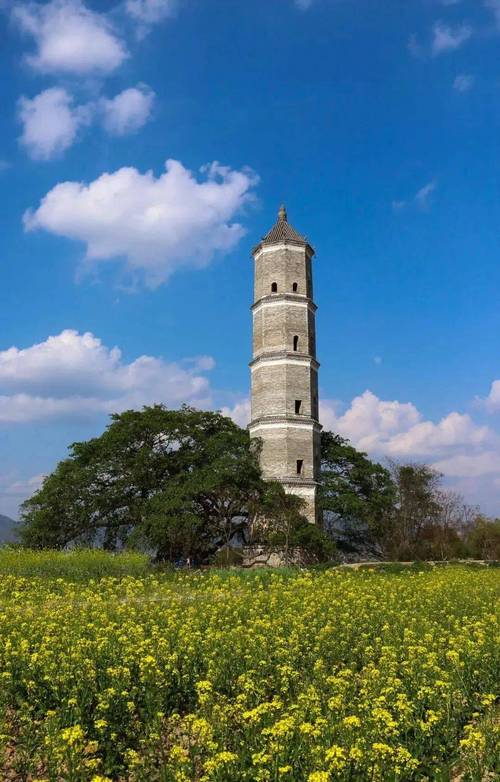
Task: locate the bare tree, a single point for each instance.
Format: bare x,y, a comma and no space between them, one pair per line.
427,521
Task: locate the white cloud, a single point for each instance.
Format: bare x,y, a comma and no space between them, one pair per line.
428,438
75,375
20,488
149,12
421,198
69,37
463,82
446,38
398,430
492,401
369,421
128,111
156,224
240,412
50,122
474,465
423,195
303,4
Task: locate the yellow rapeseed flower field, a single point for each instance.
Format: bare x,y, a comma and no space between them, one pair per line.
222,676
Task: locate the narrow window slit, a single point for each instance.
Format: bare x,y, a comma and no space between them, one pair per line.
294,287
274,287
298,404
300,462
295,343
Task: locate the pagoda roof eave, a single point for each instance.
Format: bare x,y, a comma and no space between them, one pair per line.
263,243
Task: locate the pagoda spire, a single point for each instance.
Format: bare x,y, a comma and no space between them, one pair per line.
282,216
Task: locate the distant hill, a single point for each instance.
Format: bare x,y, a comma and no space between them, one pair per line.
7,527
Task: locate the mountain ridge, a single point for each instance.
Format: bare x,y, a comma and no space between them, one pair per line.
7,529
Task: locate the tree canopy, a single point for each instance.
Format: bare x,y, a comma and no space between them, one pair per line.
353,489
169,478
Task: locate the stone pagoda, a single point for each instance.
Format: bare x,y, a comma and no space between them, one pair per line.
284,366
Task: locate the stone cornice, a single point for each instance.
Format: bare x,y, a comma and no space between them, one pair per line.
288,418
295,481
282,298
291,356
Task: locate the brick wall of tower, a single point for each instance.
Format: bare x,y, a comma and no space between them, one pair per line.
283,266
277,386
282,447
278,319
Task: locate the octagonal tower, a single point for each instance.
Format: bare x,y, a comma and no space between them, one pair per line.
284,366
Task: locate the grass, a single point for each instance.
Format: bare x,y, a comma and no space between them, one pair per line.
75,565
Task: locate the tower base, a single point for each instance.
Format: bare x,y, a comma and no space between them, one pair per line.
307,491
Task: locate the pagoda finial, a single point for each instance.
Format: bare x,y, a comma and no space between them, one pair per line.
282,216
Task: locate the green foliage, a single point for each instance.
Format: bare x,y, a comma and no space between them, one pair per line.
417,503
352,487
424,521
482,539
280,523
314,541
277,515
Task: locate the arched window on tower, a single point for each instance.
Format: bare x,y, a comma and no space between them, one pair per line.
294,287
274,287
295,342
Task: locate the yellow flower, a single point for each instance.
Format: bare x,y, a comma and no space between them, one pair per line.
204,686
381,749
260,758
475,741
72,735
352,722
177,754
336,757
219,760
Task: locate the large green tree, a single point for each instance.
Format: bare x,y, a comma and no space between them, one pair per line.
178,480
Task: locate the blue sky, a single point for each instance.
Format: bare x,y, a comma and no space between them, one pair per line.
125,281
